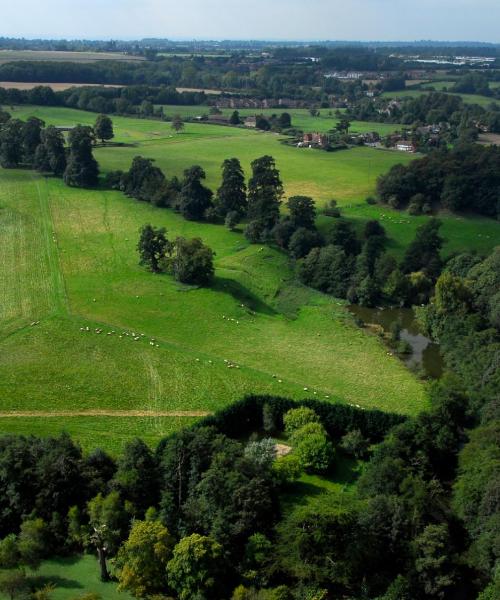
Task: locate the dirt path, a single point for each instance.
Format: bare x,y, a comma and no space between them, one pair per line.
105,413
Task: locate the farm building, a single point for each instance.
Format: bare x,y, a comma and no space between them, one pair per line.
405,147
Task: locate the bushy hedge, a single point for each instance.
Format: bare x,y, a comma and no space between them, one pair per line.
245,416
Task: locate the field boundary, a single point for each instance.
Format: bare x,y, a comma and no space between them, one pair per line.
104,413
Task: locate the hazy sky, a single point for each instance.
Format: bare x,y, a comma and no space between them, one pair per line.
256,19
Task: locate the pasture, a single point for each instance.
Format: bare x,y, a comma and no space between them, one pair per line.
445,86
301,118
71,264
70,267
348,176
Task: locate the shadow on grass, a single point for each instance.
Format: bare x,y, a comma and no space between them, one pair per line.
242,295
38,581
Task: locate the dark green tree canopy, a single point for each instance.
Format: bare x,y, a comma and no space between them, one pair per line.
195,198
103,128
82,169
231,195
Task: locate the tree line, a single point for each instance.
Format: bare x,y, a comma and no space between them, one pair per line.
31,144
464,179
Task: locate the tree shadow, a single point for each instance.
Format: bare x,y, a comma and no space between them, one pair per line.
242,295
38,581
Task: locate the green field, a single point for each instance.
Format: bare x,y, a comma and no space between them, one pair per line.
414,92
69,261
73,577
301,118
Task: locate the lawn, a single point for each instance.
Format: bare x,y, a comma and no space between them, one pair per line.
73,577
70,262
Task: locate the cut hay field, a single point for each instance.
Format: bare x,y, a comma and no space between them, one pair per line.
70,263
64,56
57,87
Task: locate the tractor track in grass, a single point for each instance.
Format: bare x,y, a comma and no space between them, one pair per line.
103,413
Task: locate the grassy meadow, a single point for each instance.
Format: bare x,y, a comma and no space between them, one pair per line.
440,86
70,267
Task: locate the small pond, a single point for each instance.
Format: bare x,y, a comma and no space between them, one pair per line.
424,355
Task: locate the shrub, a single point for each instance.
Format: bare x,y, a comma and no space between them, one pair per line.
315,452
298,417
354,443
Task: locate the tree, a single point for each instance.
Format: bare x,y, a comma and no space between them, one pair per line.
177,123
303,241
313,448
296,418
231,195
285,120
108,524
232,219
103,128
354,443
265,191
50,155
195,198
153,247
327,269
433,564
11,151
423,251
32,131
143,180
32,543
302,211
136,476
195,569
234,119
373,228
14,584
192,262
143,558
82,169
343,234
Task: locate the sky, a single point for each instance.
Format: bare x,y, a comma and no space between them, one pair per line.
402,20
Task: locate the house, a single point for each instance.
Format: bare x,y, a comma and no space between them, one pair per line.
250,122
405,147
64,128
220,119
315,139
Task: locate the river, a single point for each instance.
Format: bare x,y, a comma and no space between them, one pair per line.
424,356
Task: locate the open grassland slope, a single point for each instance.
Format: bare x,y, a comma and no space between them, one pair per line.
70,264
168,352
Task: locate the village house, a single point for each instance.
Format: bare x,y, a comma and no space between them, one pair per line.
406,147
313,140
250,122
219,119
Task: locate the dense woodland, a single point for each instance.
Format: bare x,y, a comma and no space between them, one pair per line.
464,179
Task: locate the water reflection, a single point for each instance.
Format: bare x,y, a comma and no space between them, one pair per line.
424,354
